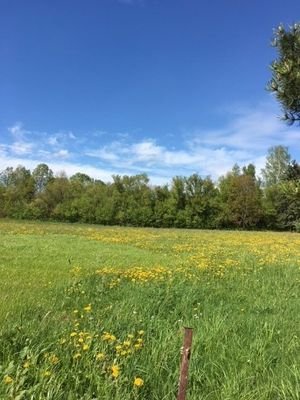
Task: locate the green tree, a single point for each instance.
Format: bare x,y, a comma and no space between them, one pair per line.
285,82
293,171
17,191
42,174
277,163
241,199
201,202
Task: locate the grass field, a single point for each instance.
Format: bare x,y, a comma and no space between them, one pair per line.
92,312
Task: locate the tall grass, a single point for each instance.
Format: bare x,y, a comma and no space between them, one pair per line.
88,310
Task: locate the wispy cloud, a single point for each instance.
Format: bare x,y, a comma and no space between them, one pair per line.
246,138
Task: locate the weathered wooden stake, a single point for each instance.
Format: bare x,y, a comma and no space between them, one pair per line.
184,367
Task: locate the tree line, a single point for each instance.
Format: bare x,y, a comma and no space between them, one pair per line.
239,199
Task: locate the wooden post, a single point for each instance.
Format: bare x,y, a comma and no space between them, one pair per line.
184,367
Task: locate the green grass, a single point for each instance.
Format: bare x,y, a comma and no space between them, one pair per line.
238,291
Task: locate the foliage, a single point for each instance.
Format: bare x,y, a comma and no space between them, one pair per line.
237,201
285,82
277,165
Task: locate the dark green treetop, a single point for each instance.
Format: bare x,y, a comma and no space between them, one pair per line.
285,82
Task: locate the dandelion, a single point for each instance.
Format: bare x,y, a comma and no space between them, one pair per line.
130,336
85,347
73,334
8,380
115,371
54,359
100,356
108,337
88,308
138,382
46,374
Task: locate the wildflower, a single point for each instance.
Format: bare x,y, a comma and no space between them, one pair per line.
88,308
141,333
76,356
46,374
73,334
130,336
100,356
8,380
26,364
115,371
138,382
85,347
126,343
108,337
54,359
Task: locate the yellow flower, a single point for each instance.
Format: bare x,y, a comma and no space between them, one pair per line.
54,359
126,343
138,382
130,336
26,364
107,336
46,373
80,340
76,356
141,332
88,308
100,356
85,347
115,371
73,334
8,380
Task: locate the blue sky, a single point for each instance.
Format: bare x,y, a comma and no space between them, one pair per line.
165,87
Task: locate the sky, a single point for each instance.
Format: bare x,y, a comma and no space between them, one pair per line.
163,87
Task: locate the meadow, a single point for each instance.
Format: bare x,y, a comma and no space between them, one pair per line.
91,312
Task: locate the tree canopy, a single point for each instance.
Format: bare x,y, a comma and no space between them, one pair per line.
285,82
236,200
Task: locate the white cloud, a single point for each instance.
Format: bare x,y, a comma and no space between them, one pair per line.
17,130
243,140
20,148
63,153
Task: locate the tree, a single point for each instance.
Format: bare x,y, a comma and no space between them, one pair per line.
285,82
42,174
293,171
241,199
17,191
277,163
